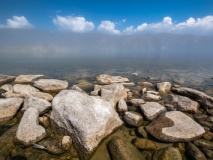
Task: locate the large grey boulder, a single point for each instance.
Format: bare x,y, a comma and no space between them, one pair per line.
40,104
152,109
87,119
113,93
51,85
107,79
164,87
27,78
24,89
5,79
29,131
185,104
9,108
175,126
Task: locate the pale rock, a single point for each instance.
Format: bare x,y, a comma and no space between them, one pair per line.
27,78
11,95
107,79
45,121
164,87
122,106
66,142
136,102
6,79
7,88
151,97
144,90
153,92
24,89
75,87
133,118
130,84
42,95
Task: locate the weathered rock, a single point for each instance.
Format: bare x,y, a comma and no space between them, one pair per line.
142,132
136,102
133,118
40,104
144,90
7,88
51,85
113,93
152,109
29,131
66,142
169,153
203,143
194,152
88,119
120,149
204,100
122,106
75,87
5,79
153,92
145,144
164,87
52,146
27,78
42,95
151,97
12,95
208,135
9,107
175,126
24,89
97,89
107,79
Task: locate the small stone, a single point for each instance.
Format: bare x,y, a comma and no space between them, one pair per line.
176,86
194,152
144,90
130,84
153,92
75,87
122,106
134,74
136,102
200,116
208,135
170,107
45,121
107,79
151,97
135,92
209,119
12,95
164,87
133,118
142,132
181,147
52,146
145,84
129,95
7,88
203,143
145,144
66,143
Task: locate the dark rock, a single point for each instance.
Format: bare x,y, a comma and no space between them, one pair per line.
169,153
5,79
145,144
194,152
142,132
207,152
203,143
52,146
200,116
170,107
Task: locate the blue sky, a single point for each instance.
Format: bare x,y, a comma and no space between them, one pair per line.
110,16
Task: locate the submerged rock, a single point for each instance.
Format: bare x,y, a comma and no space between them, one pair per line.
175,126
29,131
169,153
9,108
122,150
5,79
133,118
151,97
27,78
42,95
145,144
51,85
164,87
107,79
122,106
194,152
136,102
203,143
88,119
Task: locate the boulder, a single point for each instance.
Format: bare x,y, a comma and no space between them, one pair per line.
87,119
24,89
169,153
151,97
122,106
184,104
152,109
133,118
27,78
6,79
122,150
136,102
7,88
51,85
9,108
194,152
40,104
175,126
164,87
29,131
145,144
107,79
113,93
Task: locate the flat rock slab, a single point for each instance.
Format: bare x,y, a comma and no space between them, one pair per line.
86,118
27,78
152,109
133,118
185,104
51,85
29,131
7,88
24,89
5,79
175,126
9,108
107,79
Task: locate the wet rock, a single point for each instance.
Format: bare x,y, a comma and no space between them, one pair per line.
169,153
175,126
145,84
170,107
7,88
145,144
142,132
208,153
24,89
194,152
152,109
75,87
208,135
51,85
113,93
45,121
52,146
86,86
88,119
9,108
133,118
136,102
40,104
122,106
29,131
203,143
27,78
120,149
164,87
107,79
151,97
134,74
6,79
97,89
185,104
66,143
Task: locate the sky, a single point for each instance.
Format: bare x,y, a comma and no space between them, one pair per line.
105,27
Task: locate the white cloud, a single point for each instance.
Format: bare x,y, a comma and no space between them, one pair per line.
141,27
17,22
108,26
74,24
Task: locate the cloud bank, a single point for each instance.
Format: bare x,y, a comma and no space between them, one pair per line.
109,27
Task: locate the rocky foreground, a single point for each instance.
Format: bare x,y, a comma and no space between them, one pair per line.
118,120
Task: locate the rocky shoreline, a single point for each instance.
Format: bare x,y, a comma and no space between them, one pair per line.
118,119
